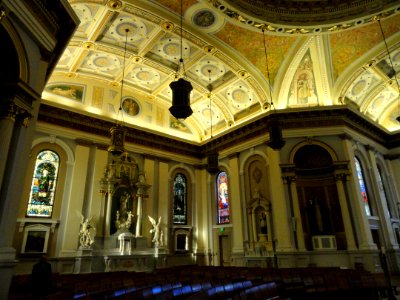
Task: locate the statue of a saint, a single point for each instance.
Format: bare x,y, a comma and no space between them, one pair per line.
123,218
86,238
158,234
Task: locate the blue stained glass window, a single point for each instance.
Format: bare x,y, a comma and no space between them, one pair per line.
180,199
43,186
363,188
223,213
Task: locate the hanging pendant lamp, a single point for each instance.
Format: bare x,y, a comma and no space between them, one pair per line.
276,141
181,88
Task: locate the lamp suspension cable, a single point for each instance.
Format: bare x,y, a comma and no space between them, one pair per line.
268,75
209,95
123,75
181,59
391,64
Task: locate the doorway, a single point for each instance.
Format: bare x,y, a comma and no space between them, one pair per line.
224,251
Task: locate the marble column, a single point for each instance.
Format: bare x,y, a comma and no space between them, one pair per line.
341,177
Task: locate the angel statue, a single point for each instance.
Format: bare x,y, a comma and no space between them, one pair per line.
158,234
86,239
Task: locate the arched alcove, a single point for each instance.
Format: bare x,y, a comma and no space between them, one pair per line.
321,215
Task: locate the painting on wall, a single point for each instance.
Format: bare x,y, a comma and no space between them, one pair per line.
130,106
74,92
303,90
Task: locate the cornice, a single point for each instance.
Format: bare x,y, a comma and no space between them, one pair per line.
288,119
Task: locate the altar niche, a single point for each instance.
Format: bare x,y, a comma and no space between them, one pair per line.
124,188
261,239
123,208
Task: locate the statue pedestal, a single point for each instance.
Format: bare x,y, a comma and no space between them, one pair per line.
83,261
262,237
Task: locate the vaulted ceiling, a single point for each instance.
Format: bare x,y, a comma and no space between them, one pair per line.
320,53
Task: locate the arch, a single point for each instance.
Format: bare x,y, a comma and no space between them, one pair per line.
332,152
61,143
15,66
318,197
250,154
189,171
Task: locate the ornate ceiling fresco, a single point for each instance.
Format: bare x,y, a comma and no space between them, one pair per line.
330,54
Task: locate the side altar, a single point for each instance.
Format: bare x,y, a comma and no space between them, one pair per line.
119,243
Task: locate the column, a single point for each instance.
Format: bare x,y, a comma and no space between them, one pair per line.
295,222
357,208
341,177
389,240
7,121
139,214
14,163
237,219
280,209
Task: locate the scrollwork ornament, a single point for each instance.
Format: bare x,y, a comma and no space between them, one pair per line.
23,117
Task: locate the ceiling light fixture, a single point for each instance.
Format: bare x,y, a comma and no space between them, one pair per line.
378,18
181,88
276,141
118,131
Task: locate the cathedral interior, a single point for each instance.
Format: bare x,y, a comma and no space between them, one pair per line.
278,148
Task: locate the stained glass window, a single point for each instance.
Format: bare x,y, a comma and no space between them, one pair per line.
44,181
363,188
180,199
223,214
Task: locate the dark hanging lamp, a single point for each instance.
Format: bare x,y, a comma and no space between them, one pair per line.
118,131
181,89
378,18
276,141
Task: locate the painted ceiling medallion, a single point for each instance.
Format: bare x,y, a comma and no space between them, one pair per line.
104,62
169,48
204,18
240,95
216,69
137,29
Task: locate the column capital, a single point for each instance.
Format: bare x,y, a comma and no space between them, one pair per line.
289,178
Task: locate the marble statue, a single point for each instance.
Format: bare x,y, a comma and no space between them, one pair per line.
123,217
86,232
157,231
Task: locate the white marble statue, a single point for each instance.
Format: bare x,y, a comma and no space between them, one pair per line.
87,232
123,216
157,231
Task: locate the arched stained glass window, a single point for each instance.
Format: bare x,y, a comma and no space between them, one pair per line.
44,181
223,214
363,188
180,199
